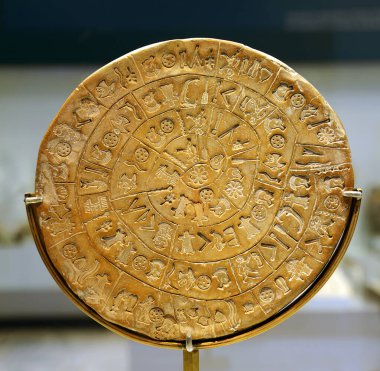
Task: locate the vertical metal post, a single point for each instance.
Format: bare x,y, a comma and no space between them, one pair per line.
190,360
190,356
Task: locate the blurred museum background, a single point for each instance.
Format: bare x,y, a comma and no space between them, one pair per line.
48,48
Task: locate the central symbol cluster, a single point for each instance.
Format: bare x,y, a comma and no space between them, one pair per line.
204,186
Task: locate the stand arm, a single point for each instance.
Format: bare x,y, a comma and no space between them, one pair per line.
190,360
190,356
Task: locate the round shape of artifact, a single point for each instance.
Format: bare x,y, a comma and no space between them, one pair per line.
202,179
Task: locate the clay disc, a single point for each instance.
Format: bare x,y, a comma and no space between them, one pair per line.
192,187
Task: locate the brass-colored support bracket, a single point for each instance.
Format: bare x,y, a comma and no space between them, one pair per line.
190,356
32,202
30,199
353,193
191,360
189,344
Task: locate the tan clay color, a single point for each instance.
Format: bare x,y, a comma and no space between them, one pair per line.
192,187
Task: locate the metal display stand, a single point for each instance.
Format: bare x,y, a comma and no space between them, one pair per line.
190,356
190,349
